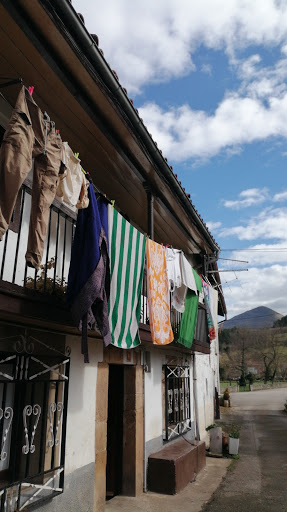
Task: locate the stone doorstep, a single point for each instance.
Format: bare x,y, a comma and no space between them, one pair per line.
173,467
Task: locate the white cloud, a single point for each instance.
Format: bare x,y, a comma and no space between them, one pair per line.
281,196
257,287
183,133
269,224
246,198
213,226
261,82
207,69
154,41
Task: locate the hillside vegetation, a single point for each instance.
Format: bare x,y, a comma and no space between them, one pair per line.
254,353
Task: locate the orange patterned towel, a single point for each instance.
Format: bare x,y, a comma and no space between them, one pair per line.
158,294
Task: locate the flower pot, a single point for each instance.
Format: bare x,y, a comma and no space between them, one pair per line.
226,403
233,446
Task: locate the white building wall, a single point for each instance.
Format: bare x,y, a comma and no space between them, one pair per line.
153,396
207,377
81,416
205,393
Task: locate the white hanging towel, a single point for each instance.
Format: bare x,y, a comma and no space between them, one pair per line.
73,183
188,281
173,268
187,273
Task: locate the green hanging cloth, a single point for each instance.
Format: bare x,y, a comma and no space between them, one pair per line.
189,317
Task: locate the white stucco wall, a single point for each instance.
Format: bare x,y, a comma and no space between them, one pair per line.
81,416
207,373
205,393
153,396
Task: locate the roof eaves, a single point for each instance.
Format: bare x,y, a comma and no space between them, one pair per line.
89,45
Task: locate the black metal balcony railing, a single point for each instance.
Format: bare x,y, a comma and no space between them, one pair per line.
53,274
54,270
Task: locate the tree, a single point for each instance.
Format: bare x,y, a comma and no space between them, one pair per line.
271,356
222,373
282,322
242,366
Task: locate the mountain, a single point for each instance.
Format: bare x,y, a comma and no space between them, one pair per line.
256,318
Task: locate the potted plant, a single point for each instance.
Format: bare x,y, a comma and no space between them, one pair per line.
234,435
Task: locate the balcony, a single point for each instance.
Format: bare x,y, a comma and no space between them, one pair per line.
24,291
41,295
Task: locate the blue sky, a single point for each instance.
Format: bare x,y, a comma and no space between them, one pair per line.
210,82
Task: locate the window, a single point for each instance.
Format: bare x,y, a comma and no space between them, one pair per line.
177,401
33,407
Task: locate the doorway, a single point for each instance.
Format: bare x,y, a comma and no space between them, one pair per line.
114,471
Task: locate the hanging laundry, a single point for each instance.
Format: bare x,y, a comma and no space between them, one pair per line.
89,277
72,183
127,250
213,296
188,281
189,317
173,268
30,134
158,294
210,323
187,274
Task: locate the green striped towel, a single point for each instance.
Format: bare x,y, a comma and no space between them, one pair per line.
127,251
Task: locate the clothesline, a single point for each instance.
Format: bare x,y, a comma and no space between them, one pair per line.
108,253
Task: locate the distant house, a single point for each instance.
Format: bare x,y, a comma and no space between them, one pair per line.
71,433
252,370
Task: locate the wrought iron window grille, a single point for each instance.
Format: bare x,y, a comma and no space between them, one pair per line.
33,410
177,401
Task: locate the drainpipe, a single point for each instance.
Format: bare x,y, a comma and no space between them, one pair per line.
144,430
150,215
195,397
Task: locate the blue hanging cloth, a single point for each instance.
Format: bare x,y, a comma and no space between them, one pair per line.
89,275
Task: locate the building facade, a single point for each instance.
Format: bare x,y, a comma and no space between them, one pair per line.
75,434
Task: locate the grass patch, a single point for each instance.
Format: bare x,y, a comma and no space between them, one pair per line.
228,384
233,463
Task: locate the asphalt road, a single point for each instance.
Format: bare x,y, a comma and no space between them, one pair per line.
257,482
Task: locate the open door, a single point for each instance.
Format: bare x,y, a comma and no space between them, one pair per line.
114,474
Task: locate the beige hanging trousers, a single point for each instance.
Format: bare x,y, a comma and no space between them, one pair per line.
29,135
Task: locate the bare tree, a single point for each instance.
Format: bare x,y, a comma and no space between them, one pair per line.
271,356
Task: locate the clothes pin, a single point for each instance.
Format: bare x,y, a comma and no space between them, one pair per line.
113,203
31,89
